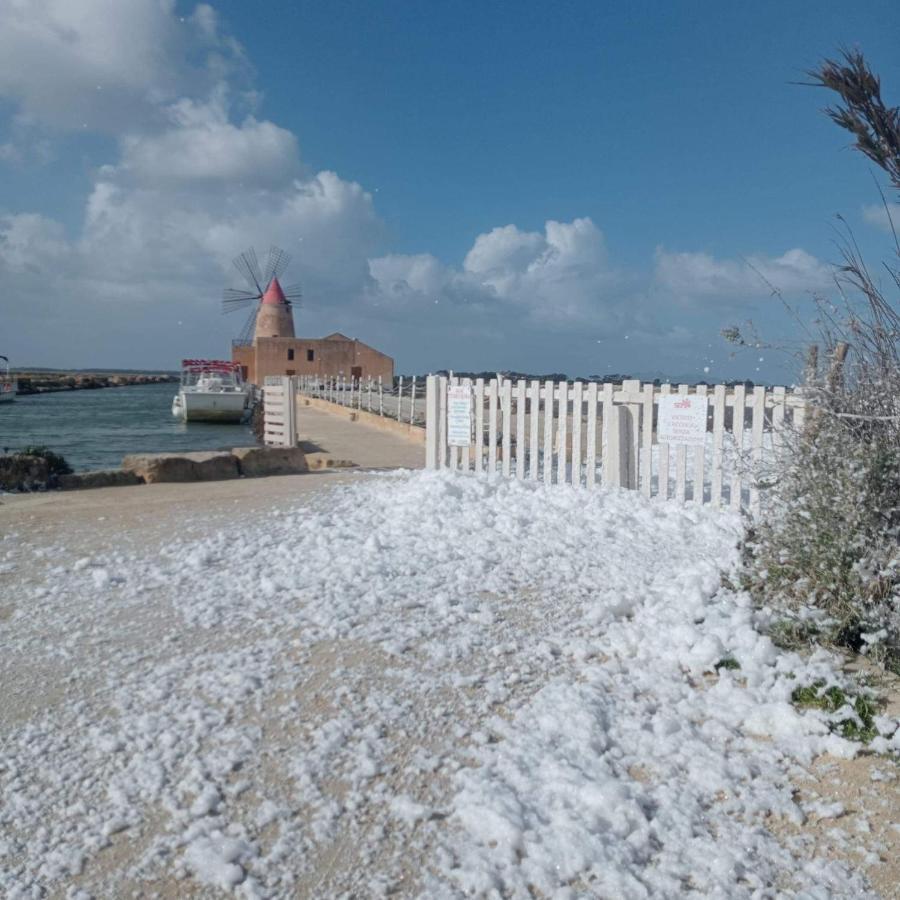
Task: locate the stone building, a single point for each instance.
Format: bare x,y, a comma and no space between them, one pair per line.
274,350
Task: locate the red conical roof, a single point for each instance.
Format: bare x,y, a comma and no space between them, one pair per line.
274,295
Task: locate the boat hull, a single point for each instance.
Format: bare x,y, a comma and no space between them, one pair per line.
200,406
7,391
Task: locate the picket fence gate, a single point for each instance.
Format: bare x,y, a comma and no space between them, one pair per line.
586,434
279,411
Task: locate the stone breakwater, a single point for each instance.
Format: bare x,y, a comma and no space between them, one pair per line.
53,382
26,472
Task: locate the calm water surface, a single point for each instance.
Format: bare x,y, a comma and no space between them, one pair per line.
95,429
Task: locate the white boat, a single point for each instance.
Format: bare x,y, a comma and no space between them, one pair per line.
8,386
212,390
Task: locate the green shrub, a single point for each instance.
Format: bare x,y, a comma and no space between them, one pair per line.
56,463
859,726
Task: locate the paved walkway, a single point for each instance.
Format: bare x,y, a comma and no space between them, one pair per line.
369,448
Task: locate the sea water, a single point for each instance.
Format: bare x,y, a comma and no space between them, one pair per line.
94,429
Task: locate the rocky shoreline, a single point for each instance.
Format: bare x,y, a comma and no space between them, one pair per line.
27,472
54,382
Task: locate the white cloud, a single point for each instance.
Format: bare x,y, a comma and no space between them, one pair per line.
699,276
29,242
201,145
560,277
105,64
886,218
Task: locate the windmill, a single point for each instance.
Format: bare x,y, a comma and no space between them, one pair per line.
271,305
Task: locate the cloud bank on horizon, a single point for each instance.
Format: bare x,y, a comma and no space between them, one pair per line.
193,174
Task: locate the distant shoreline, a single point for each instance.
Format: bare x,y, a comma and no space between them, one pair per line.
31,383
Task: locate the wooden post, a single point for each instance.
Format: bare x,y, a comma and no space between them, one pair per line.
836,367
290,412
431,422
619,450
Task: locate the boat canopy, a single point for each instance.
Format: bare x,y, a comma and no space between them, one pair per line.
220,366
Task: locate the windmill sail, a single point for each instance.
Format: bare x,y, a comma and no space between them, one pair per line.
271,304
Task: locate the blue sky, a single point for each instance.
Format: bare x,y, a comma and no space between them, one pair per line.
576,187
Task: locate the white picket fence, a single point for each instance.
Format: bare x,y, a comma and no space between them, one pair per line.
401,401
588,434
280,411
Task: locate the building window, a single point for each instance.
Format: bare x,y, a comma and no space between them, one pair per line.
291,353
310,355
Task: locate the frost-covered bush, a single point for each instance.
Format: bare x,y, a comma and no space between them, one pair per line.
827,549
829,543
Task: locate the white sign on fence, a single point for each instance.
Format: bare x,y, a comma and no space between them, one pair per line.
459,415
682,420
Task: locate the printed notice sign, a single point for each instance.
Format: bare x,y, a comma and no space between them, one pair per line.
682,420
459,415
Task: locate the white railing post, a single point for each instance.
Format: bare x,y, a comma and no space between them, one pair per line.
400,400
380,395
620,450
431,422
412,401
290,413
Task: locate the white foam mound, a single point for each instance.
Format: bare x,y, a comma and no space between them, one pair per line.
424,684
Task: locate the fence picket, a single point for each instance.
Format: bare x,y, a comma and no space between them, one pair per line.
590,461
715,488
632,387
492,426
646,467
756,432
681,461
562,433
534,449
662,487
606,455
506,416
479,424
700,456
455,452
577,403
778,404
548,432
442,412
520,429
737,430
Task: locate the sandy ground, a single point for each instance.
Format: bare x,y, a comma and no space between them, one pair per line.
368,447
145,518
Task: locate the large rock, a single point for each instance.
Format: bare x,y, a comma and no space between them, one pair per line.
255,462
319,460
168,467
99,478
19,472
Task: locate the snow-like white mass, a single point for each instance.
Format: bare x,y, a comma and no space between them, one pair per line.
423,683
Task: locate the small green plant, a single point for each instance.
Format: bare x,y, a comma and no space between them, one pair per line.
860,727
56,463
793,634
727,662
